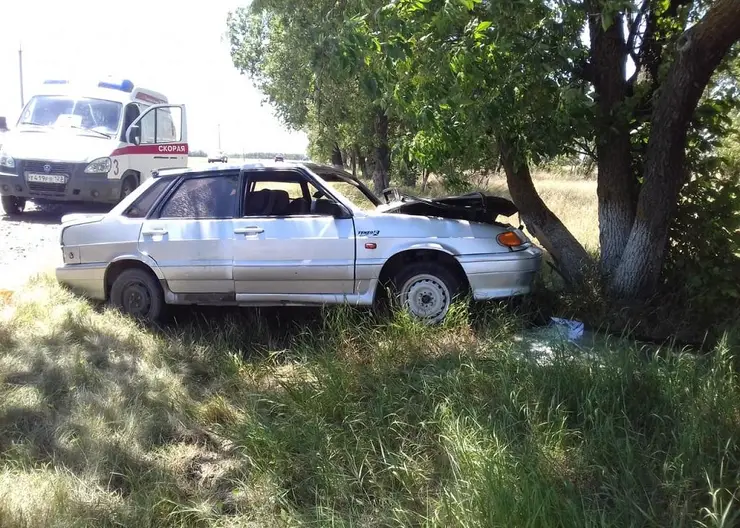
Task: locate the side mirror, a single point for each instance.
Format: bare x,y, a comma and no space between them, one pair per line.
133,134
337,211
331,208
391,194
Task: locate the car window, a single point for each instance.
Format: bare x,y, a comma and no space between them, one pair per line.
354,194
284,194
140,208
203,197
293,189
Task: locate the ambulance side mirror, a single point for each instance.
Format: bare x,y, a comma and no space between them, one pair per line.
133,134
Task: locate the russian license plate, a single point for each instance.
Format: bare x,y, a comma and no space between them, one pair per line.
46,178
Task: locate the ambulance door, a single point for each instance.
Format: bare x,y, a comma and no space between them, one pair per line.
159,138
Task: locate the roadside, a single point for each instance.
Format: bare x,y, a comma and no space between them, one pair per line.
31,244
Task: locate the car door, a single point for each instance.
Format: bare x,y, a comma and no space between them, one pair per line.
190,234
288,243
159,139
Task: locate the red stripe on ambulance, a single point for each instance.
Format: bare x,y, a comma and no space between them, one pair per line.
171,148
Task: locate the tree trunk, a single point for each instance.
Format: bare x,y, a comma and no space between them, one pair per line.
424,179
569,254
363,166
353,160
616,190
336,156
699,52
381,179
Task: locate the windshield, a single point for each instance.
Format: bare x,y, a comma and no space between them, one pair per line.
347,185
97,115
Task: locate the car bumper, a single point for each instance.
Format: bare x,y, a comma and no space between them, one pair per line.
78,187
84,279
497,275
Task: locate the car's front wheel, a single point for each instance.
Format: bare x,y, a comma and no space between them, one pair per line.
426,290
137,293
13,205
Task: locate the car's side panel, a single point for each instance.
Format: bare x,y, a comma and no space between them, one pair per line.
495,276
298,255
90,245
195,256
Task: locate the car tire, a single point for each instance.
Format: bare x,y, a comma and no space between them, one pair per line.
425,290
138,294
13,205
128,186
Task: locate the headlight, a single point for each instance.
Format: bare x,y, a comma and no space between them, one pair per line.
6,161
99,165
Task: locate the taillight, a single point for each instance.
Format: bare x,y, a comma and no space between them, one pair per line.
509,239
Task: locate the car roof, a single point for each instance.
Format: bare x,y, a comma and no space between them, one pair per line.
267,164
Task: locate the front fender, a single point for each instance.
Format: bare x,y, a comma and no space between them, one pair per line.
413,246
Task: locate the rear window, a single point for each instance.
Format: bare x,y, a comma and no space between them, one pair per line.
203,197
140,208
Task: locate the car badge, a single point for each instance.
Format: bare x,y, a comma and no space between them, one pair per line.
47,168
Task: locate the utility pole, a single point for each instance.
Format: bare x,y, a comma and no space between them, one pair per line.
20,71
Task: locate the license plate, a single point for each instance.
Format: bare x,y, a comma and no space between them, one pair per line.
46,178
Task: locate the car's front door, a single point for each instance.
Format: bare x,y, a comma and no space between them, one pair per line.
190,235
290,241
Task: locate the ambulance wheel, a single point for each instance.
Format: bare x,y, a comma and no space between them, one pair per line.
128,186
13,205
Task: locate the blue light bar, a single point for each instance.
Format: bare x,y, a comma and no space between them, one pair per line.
124,86
56,81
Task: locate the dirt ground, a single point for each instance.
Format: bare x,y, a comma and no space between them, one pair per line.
30,241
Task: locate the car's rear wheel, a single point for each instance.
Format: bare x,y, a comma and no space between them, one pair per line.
138,294
13,205
426,290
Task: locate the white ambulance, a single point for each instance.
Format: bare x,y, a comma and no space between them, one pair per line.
89,142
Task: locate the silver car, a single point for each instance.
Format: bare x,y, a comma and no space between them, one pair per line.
292,234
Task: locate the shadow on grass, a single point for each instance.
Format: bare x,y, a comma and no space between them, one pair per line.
334,415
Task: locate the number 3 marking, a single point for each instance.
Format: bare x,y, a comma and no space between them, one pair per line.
115,167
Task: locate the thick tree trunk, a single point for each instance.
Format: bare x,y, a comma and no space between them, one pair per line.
336,156
699,52
381,178
571,257
616,188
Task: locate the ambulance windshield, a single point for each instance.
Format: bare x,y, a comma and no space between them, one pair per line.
97,115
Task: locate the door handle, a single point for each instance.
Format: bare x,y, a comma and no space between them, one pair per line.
154,232
252,230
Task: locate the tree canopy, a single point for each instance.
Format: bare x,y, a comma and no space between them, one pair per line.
645,88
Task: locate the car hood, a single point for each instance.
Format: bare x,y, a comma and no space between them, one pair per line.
70,146
474,207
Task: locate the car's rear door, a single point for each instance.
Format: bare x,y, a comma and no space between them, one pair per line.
286,249
190,234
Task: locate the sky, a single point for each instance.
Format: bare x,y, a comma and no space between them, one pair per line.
164,45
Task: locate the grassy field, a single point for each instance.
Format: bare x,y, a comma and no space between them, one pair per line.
335,418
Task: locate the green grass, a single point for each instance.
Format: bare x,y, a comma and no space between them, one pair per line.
334,418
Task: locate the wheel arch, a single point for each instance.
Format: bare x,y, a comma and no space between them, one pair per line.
119,265
437,254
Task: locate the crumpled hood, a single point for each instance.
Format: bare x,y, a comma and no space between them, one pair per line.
474,207
72,146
